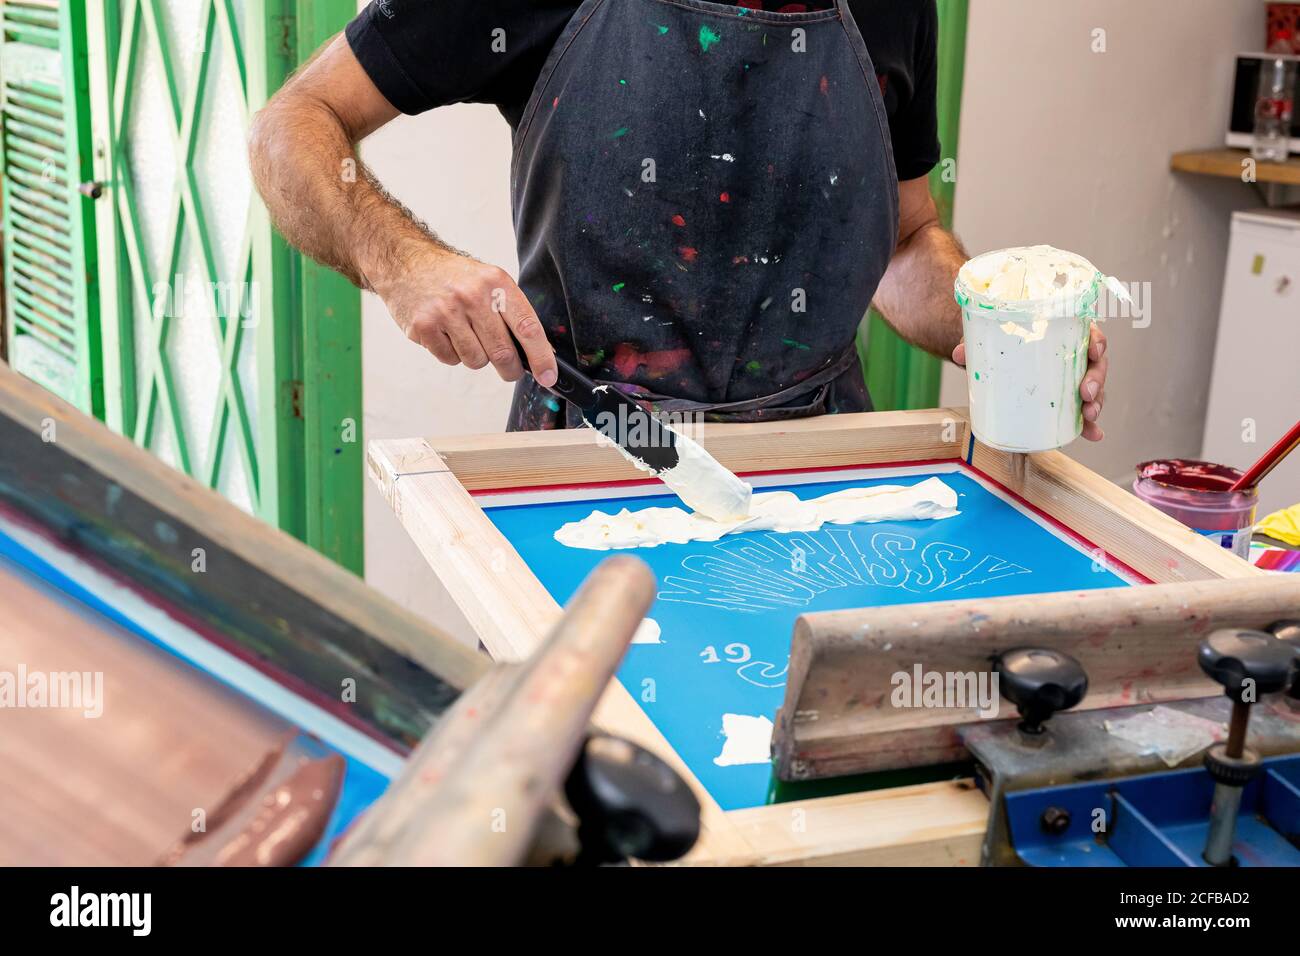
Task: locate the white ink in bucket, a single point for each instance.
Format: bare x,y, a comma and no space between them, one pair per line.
1026,317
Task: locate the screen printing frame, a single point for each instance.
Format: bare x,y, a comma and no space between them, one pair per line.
431,486
78,495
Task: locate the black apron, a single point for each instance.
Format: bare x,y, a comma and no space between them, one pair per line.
705,200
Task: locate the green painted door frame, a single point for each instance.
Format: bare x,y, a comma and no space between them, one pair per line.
327,311
900,375
272,341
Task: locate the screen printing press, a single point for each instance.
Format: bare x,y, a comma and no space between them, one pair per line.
183,685
1057,675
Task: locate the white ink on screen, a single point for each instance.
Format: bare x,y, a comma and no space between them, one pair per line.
763,673
749,740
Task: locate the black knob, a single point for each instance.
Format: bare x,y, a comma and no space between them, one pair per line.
1039,681
630,804
1247,663
91,189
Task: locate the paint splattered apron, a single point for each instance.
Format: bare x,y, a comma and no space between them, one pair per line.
705,200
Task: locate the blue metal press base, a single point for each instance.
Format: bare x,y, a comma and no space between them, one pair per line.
1157,819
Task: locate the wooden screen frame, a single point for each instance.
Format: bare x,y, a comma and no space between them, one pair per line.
261,595
429,484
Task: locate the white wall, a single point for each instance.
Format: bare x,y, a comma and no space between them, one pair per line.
1065,146
1058,144
452,168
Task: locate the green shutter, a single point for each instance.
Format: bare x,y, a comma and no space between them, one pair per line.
51,302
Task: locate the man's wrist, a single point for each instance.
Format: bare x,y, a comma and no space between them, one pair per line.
383,272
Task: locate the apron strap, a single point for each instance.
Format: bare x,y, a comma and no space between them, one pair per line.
827,374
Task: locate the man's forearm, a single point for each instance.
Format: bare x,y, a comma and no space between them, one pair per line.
916,294
322,198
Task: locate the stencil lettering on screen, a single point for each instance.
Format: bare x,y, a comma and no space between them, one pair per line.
758,673
761,573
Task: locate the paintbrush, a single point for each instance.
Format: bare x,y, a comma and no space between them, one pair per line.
1269,460
680,463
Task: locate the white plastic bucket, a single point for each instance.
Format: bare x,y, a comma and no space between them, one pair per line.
1025,361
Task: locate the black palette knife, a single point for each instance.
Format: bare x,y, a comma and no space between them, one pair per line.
647,441
613,414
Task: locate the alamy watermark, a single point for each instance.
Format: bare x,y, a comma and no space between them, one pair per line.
1133,305
133,911
632,430
53,690
1116,300
946,690
229,299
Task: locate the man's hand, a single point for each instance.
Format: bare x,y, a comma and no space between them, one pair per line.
1092,388
463,311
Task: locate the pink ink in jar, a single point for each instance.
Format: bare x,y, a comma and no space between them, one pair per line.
1196,493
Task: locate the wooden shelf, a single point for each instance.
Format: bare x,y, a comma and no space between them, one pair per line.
1227,163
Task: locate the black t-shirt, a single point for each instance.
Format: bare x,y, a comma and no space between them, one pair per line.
427,53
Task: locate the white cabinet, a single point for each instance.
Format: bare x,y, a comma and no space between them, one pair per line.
1256,377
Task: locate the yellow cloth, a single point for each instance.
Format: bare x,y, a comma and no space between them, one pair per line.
1283,525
